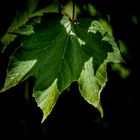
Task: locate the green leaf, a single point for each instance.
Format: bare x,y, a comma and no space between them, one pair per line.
24,30
59,52
21,18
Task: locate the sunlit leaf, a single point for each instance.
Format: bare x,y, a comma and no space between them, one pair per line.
59,52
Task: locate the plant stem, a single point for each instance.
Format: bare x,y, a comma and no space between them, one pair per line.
73,13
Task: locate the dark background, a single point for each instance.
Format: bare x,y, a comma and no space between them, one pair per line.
73,116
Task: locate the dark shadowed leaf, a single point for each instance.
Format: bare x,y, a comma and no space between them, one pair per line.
24,12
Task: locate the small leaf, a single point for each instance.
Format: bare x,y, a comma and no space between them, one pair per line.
24,30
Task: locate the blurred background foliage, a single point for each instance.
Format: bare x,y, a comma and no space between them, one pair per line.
73,116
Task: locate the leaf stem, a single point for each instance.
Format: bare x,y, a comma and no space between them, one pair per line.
73,13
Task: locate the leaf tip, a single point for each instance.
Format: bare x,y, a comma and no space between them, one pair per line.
44,118
99,107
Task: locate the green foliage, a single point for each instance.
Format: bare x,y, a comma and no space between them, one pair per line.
58,51
22,17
